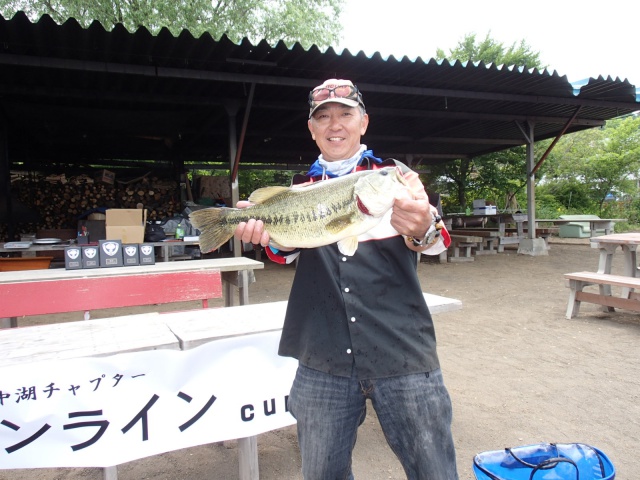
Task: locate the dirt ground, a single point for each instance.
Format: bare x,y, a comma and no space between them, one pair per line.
517,370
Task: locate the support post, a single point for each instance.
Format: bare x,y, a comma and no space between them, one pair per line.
110,473
5,182
531,245
232,111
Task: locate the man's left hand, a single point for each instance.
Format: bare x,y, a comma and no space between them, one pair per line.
412,217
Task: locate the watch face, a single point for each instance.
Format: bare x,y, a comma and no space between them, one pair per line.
431,236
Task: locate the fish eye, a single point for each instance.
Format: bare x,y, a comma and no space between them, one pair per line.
384,172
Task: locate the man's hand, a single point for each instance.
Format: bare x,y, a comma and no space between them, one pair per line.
251,231
412,217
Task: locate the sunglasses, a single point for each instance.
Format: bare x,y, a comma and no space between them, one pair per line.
349,92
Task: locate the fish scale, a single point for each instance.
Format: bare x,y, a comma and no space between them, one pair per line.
325,212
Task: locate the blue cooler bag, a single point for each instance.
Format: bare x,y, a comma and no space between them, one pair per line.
544,461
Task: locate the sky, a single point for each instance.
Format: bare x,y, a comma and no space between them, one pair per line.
576,39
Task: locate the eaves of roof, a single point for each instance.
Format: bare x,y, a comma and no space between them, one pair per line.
75,96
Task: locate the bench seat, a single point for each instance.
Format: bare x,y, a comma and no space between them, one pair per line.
578,280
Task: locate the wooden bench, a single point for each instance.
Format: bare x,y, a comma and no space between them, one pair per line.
578,280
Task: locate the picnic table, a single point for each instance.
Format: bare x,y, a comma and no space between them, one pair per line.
147,332
235,272
628,282
595,224
501,219
50,291
464,244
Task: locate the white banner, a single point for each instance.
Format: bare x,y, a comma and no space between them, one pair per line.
99,412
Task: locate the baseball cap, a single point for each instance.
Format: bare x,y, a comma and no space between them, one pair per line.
337,91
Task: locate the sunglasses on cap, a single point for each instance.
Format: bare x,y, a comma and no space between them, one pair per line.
320,94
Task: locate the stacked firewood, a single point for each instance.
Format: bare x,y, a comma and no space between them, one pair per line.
61,200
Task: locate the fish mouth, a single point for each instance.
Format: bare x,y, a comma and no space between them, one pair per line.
400,177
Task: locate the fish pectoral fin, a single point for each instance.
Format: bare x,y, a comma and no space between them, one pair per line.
339,224
348,246
261,195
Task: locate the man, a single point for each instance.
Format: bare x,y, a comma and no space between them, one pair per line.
359,326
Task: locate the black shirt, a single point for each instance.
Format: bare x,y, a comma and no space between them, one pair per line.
368,309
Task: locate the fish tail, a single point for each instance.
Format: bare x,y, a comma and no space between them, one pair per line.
214,230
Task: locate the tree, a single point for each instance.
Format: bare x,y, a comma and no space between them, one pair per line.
500,172
491,51
270,20
594,163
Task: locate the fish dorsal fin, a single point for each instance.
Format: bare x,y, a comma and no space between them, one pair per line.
261,195
348,246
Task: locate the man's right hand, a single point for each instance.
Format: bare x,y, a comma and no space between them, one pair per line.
251,231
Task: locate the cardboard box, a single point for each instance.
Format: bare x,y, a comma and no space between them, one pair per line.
147,254
90,256
106,176
478,203
110,253
488,210
126,225
130,254
72,258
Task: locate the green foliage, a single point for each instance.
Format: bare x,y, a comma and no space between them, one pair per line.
500,176
271,20
576,177
628,208
594,163
547,205
250,180
491,51
452,178
566,196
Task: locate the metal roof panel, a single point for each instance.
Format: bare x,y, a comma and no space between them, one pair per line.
75,95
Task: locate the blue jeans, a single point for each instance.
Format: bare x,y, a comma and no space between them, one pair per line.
414,412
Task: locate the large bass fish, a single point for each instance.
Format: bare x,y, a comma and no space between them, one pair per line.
325,212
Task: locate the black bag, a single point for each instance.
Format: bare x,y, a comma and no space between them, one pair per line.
154,233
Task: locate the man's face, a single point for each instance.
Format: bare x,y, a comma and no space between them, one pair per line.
337,129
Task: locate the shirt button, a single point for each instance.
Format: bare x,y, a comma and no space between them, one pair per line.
349,351
353,319
346,290
344,259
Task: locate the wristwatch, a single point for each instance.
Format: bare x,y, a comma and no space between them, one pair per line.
432,233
